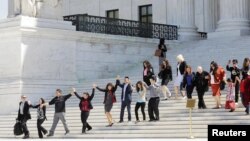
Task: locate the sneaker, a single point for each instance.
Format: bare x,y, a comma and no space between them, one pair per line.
46,132
137,121
184,97
67,132
231,110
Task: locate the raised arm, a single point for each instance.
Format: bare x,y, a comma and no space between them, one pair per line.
77,95
118,83
93,94
100,89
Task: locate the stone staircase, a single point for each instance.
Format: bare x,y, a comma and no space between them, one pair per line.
174,118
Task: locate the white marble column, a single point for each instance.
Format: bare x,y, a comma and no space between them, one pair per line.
181,13
211,15
233,15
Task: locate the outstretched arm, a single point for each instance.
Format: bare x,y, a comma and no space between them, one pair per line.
77,95
100,89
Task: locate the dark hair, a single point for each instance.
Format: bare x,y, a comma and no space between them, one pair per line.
139,83
110,84
153,77
235,61
167,64
229,80
86,93
188,66
43,101
59,90
148,65
162,41
215,67
126,77
245,63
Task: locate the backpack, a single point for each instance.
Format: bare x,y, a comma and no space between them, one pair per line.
18,128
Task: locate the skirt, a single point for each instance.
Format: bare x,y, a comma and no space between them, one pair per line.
108,107
215,89
178,80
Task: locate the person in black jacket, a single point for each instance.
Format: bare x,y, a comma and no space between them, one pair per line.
59,101
109,100
235,72
148,72
85,107
188,81
41,116
166,75
126,97
201,84
181,67
163,49
24,115
245,68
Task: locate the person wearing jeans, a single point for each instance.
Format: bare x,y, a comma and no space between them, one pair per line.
141,100
126,97
59,114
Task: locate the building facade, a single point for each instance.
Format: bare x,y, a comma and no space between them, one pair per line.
191,16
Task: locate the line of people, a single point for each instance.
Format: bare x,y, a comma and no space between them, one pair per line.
85,105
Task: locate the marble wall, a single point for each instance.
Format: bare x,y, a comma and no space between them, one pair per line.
41,55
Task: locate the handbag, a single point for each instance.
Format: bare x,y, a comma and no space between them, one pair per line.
158,52
18,128
222,85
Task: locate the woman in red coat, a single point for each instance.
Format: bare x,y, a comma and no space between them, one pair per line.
246,93
217,75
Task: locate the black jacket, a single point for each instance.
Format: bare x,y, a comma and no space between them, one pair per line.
89,99
106,93
26,111
38,106
182,67
234,72
150,72
163,49
59,103
200,82
128,91
166,73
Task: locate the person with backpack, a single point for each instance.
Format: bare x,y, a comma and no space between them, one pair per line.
41,116
85,107
109,100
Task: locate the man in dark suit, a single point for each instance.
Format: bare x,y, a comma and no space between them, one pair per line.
126,97
24,115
